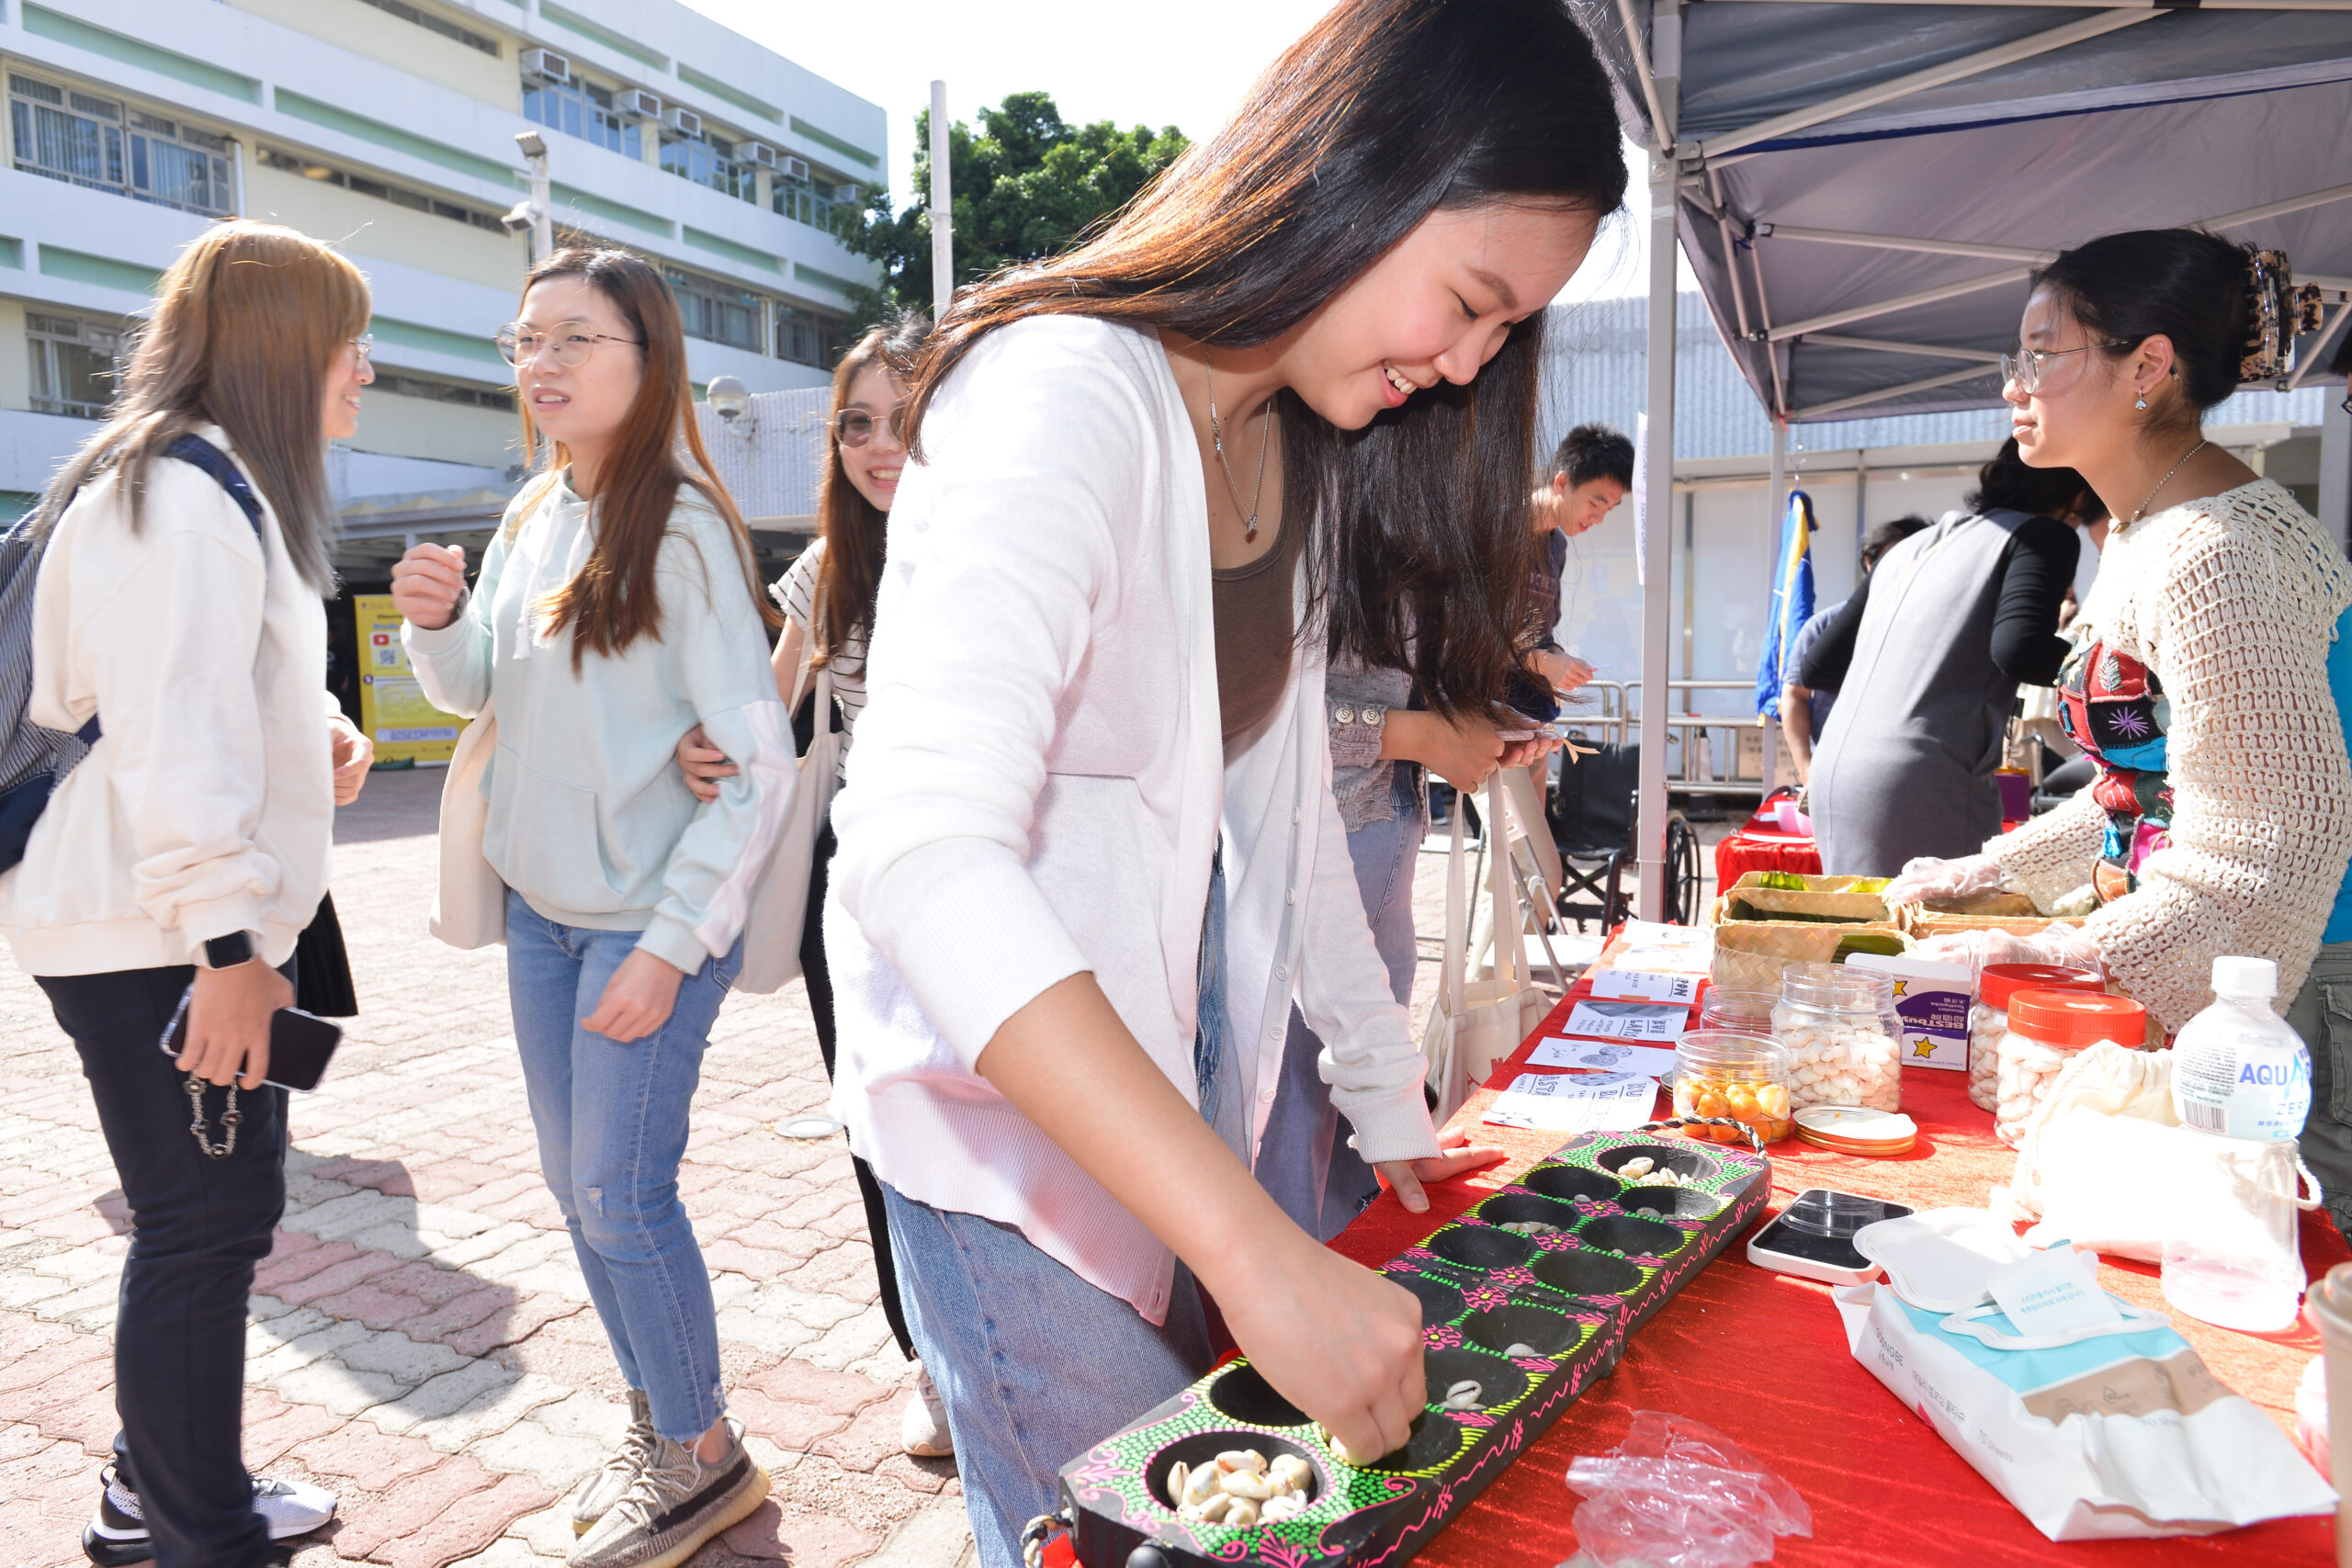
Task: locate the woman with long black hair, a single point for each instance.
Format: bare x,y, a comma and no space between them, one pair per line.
1089,851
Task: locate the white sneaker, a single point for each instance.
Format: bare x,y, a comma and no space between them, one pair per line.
922,1425
116,1534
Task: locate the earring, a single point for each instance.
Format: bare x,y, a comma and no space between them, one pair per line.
2143,402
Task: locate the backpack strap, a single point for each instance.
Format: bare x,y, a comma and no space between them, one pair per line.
196,450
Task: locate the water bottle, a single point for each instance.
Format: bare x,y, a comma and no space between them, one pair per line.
2242,1077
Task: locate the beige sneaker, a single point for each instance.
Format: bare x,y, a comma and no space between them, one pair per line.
603,1489
678,1502
922,1425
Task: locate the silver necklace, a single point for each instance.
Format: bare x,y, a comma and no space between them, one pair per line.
1217,439
2142,510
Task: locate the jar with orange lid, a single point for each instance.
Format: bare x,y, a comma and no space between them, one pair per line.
1721,1072
2046,1028
1989,1019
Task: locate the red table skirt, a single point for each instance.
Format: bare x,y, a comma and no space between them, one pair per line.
1765,849
1763,1357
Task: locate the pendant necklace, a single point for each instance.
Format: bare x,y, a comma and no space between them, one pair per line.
1217,439
2142,510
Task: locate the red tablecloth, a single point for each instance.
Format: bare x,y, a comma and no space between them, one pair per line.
1763,1357
1764,849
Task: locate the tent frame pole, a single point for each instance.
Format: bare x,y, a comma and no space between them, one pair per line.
1657,499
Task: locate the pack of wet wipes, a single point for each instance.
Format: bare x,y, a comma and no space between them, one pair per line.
2091,1416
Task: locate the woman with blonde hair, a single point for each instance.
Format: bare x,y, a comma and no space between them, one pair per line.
177,628
618,608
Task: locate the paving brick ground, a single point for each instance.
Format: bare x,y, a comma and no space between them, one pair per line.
421,1342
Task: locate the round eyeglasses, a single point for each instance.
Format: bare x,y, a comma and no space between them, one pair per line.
519,346
363,347
855,427
2024,366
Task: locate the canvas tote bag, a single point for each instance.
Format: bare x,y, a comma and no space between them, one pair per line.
1474,1024
469,901
779,911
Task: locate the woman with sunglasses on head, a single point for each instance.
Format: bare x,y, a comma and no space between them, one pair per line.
1088,849
828,595
177,622
617,609
2211,672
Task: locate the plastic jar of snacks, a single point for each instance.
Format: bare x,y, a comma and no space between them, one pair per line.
1989,1019
1843,1036
1742,1012
2045,1028
1721,1072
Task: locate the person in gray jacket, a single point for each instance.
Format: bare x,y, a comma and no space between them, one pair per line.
1926,658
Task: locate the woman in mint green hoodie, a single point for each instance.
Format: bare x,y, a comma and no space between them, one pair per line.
618,608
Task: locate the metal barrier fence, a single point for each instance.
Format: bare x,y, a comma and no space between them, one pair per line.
1613,713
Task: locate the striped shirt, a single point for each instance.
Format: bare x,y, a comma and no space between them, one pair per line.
796,594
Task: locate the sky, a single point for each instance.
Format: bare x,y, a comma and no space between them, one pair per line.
1132,64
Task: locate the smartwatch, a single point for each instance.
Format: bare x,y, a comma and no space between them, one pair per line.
227,952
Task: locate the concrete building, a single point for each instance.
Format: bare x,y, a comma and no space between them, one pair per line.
389,125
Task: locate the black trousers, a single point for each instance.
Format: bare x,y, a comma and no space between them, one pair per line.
199,1227
819,981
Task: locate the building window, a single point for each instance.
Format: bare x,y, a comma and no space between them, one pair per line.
431,391
807,338
579,109
716,312
436,23
382,190
102,144
73,363
710,161
818,205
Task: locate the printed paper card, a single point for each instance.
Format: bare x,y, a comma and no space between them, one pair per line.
1934,999
1628,1021
1596,1056
1644,985
1575,1102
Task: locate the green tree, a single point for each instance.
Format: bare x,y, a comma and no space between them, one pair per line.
1025,185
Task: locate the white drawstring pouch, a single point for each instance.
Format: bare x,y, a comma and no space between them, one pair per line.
2096,1432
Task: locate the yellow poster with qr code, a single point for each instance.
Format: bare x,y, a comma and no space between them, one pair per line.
408,731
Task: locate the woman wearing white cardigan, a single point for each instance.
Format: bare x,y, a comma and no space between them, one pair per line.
1089,853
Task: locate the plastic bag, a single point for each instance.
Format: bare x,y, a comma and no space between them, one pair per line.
1675,1494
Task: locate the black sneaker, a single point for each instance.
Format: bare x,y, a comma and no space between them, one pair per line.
116,1534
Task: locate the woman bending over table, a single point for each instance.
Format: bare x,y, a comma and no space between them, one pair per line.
2210,673
1089,851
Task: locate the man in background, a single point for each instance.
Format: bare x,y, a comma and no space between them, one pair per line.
1805,711
1590,474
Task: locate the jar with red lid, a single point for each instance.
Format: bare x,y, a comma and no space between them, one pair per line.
2046,1028
1989,1019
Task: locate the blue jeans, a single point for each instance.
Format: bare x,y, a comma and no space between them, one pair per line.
1034,1364
199,1227
612,1125
1303,1162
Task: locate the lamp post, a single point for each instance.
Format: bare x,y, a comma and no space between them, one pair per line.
538,214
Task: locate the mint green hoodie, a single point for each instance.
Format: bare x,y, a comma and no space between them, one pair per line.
590,819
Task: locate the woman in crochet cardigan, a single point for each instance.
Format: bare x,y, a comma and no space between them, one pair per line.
2211,681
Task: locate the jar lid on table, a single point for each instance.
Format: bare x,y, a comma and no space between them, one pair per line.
2072,1020
2002,981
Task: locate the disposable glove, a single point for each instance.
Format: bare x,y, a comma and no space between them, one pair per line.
1929,880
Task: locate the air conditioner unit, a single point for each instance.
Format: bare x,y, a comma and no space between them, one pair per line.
685,122
758,153
637,101
794,168
547,65
847,190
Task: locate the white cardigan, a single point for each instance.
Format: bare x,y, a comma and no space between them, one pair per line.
1037,791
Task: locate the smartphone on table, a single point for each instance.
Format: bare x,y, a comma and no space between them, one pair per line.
301,1043
1813,1237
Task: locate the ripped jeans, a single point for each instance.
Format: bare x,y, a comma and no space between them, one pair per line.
612,1125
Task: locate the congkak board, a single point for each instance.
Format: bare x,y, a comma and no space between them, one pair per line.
1567,1301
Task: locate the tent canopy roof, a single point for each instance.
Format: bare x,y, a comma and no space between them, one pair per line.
1865,186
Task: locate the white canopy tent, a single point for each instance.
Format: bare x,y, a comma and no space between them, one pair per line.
1863,187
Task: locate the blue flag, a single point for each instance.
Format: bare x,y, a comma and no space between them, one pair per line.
1792,605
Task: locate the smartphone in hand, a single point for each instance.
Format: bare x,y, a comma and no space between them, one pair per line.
301,1043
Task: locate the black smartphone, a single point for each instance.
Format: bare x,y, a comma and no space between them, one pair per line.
1812,1237
301,1044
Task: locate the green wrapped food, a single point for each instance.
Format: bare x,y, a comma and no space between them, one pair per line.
1874,942
1741,910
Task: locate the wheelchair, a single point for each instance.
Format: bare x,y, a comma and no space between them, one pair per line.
1595,815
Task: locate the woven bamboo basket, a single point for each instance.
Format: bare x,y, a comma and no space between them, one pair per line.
1750,955
1921,922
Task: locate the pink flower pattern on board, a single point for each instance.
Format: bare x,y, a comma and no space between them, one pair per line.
1486,1298
1442,1337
